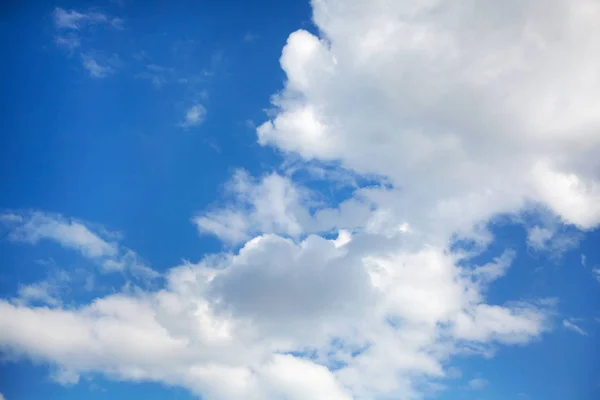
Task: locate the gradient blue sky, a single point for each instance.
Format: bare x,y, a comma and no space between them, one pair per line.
136,144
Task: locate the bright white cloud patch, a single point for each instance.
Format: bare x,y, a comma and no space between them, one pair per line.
271,205
457,104
467,109
194,116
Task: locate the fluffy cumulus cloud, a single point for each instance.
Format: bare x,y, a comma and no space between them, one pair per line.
469,109
466,110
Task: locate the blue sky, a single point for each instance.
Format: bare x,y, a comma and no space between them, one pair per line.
294,200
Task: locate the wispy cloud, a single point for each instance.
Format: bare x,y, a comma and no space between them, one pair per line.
454,373
552,240
157,74
70,23
38,292
76,20
250,37
194,116
572,327
69,41
94,68
46,292
478,383
96,244
71,234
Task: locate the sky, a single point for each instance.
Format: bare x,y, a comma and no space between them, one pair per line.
294,200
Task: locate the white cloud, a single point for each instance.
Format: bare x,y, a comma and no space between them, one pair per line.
454,373
69,25
2,396
98,245
497,268
194,116
94,68
221,328
75,20
41,291
65,377
70,41
68,233
467,110
464,128
596,273
583,259
572,327
271,205
478,383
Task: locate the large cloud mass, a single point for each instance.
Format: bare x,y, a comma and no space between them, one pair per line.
465,109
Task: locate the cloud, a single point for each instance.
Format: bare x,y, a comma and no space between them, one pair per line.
462,112
69,25
596,273
98,245
156,74
194,116
250,37
583,259
572,327
478,383
41,292
497,268
269,205
393,89
94,68
69,233
224,328
552,238
69,41
454,373
75,20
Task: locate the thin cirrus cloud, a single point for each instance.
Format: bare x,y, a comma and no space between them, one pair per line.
99,246
69,25
478,383
76,20
570,325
